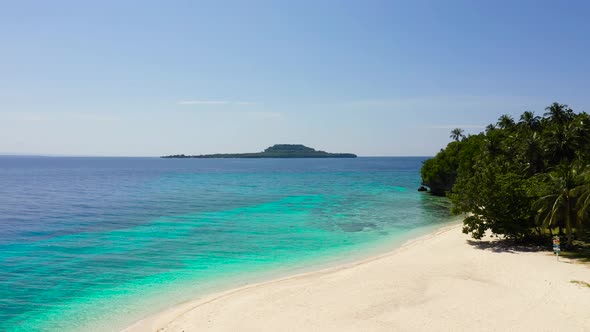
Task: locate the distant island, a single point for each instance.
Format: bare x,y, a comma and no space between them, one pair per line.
275,151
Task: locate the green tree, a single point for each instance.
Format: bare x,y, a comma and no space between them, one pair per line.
530,121
457,134
440,173
558,207
531,151
583,204
505,121
563,141
494,200
515,177
559,113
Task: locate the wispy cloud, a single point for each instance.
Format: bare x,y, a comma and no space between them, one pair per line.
453,126
202,102
230,110
263,114
94,117
32,117
444,102
213,102
60,116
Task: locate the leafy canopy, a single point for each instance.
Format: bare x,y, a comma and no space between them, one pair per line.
518,178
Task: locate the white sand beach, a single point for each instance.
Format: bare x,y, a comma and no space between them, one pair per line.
439,282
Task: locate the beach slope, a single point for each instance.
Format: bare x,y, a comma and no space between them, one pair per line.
440,282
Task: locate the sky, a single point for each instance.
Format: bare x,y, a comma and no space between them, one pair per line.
375,78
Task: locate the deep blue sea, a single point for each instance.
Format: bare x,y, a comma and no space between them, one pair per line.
98,243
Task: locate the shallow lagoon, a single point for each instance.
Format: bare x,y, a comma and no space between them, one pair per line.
101,242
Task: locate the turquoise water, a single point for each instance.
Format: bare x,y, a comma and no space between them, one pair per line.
98,243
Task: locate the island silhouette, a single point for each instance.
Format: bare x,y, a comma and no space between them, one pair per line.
275,151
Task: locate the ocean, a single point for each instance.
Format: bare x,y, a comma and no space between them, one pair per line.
98,243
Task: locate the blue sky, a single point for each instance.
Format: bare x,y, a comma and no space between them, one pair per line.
145,78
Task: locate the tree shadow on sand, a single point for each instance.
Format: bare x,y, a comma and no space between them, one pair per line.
506,246
580,253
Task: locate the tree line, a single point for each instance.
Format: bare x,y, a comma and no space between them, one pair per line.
522,179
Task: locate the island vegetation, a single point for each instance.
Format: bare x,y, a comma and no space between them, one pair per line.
524,179
275,151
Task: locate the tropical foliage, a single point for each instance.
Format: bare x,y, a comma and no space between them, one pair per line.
520,178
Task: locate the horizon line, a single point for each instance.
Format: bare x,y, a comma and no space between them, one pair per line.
159,156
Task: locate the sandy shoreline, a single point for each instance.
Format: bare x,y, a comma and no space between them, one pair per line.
435,282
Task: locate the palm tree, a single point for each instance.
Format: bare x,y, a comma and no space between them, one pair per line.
490,127
559,207
529,140
505,121
559,113
532,150
582,194
493,146
457,134
530,121
563,141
